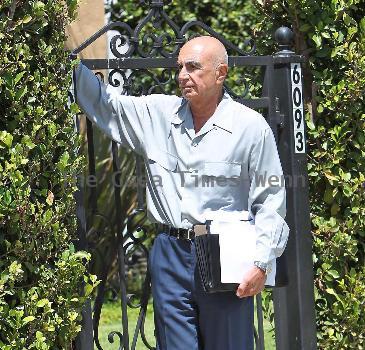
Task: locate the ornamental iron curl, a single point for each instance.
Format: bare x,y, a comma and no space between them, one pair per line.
143,81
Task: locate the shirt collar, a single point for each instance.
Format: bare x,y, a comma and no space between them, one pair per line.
179,113
221,120
222,117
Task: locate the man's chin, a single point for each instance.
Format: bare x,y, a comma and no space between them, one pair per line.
189,95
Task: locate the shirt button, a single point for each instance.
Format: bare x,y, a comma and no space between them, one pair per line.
190,170
194,144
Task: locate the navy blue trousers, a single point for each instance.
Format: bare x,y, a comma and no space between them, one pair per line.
187,318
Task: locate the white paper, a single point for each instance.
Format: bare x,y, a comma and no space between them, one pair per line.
237,240
227,216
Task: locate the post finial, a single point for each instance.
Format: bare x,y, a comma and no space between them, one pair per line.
284,37
155,3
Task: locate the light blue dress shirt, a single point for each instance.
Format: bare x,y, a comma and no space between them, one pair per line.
225,166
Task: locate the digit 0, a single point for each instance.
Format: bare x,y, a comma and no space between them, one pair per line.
297,97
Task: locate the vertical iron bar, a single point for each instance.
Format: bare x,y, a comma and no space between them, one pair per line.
140,196
99,299
121,255
260,323
91,180
146,292
269,92
84,340
294,304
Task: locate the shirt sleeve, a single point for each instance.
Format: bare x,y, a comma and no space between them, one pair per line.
267,198
125,119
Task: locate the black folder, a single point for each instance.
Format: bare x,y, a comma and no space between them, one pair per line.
209,266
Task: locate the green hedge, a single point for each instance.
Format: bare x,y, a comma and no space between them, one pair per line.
40,272
330,34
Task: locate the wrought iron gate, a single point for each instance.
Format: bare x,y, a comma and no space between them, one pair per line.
270,84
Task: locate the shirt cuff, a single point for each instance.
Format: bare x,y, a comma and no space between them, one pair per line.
267,251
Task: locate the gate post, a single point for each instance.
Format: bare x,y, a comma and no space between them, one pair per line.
84,340
294,303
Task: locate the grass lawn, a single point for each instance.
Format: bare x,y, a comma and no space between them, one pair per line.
111,321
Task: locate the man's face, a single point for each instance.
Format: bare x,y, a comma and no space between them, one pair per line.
197,75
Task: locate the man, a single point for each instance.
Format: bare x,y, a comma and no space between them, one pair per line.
184,141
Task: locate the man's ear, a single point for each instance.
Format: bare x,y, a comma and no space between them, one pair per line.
221,72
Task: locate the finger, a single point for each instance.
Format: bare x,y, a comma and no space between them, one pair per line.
248,293
255,291
242,289
245,289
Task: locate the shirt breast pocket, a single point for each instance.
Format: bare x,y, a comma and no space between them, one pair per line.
220,183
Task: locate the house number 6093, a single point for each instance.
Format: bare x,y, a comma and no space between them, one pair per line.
298,115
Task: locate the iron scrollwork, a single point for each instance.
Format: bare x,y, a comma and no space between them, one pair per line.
143,82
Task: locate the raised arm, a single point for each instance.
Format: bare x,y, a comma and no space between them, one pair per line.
128,120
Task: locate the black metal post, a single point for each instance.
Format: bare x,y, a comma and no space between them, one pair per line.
84,340
294,303
260,324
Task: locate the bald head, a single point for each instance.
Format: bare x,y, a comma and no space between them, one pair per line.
211,47
203,68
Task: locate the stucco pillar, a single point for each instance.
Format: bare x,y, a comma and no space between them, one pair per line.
91,17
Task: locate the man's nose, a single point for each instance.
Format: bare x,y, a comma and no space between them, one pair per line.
183,75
